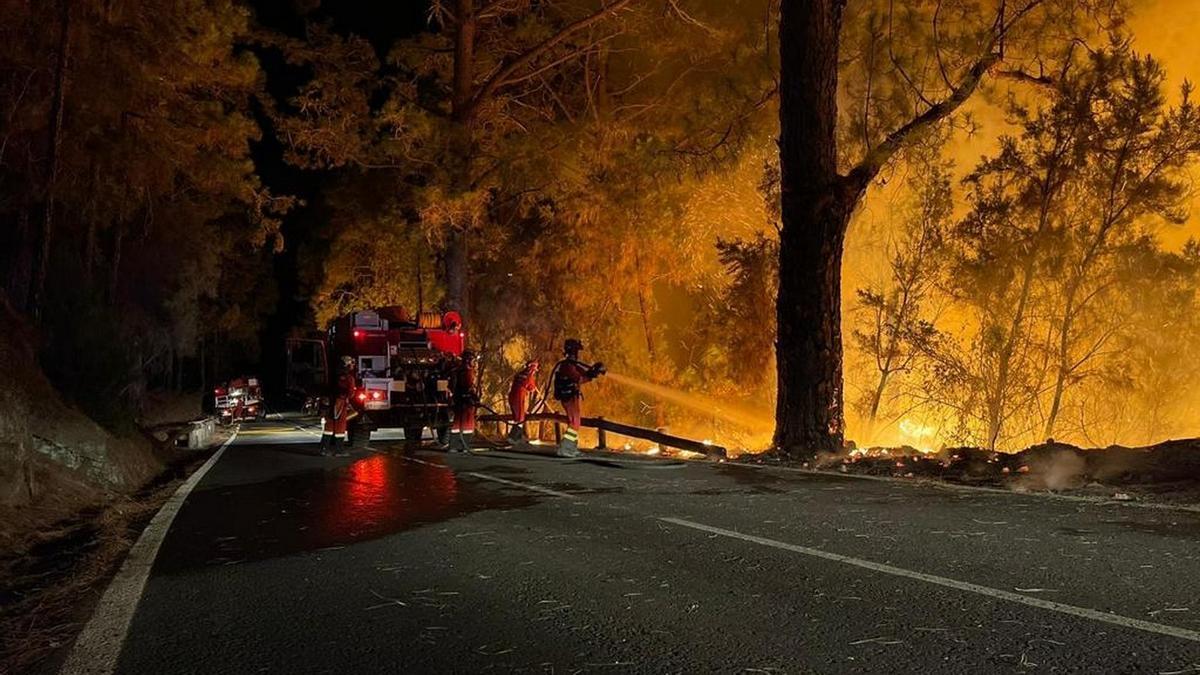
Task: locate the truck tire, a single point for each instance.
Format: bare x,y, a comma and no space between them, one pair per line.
412,436
360,437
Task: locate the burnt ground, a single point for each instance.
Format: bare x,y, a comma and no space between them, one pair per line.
282,561
1163,474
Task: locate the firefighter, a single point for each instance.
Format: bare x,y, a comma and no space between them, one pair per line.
462,388
340,411
569,376
237,391
524,384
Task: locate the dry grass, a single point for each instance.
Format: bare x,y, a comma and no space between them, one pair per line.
52,584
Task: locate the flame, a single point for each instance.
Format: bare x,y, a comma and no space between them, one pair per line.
920,436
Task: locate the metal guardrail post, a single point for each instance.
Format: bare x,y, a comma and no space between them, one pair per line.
601,435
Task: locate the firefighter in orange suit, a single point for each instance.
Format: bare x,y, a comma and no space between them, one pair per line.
462,387
524,384
340,411
569,376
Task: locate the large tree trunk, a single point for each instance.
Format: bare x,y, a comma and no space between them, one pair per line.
46,236
463,111
816,212
114,263
21,261
457,270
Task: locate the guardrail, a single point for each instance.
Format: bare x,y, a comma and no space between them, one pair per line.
199,433
604,427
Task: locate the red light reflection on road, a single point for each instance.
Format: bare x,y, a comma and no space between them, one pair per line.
384,492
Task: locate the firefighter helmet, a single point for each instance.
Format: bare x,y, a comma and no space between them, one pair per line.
572,346
347,362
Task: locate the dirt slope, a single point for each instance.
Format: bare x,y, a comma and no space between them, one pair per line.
54,460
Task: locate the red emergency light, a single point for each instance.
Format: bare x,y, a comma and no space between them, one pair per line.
357,333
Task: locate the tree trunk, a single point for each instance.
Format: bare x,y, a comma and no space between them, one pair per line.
464,59
816,211
89,252
463,111
420,286
22,261
1063,369
114,265
660,419
456,271
998,397
46,238
877,397
203,364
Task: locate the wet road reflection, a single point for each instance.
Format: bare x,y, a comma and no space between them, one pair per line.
317,509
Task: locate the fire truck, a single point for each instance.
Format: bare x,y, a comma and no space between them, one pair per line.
403,366
238,400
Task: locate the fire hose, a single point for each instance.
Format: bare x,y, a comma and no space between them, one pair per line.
542,401
478,434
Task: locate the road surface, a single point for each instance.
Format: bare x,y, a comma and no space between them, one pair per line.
283,561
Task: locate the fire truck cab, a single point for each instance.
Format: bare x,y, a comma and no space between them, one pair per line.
403,366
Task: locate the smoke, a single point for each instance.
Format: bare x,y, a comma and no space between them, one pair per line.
754,420
1056,470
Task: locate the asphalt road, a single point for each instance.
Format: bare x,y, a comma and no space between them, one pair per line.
283,561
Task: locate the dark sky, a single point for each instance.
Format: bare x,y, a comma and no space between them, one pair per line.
306,230
380,21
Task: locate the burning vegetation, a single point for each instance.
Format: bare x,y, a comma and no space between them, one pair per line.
1014,221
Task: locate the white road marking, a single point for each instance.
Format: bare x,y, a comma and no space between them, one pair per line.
1082,612
495,479
99,645
525,486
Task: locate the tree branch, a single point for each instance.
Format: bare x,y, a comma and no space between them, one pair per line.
558,62
861,175
1020,75
506,73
